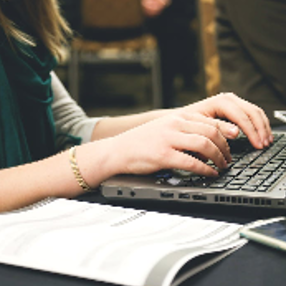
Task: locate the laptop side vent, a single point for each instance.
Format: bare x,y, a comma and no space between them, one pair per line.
243,200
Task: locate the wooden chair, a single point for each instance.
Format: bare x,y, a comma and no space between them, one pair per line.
113,34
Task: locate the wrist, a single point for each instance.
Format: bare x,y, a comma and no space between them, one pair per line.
96,161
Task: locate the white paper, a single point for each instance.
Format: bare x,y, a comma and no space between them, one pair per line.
107,243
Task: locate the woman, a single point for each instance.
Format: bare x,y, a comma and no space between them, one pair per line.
38,119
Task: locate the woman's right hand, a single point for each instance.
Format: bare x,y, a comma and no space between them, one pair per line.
161,144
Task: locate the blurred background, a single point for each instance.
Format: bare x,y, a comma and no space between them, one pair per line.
129,56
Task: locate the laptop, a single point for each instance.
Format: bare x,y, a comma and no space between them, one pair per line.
254,178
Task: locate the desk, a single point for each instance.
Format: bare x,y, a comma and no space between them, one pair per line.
253,264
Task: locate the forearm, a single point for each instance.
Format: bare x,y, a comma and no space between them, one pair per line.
111,126
70,119
53,177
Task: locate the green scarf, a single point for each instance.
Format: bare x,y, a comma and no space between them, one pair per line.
27,131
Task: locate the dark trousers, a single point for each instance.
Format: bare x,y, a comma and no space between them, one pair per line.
177,44
251,41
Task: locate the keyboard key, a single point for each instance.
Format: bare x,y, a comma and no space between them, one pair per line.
233,187
239,181
249,172
249,188
217,185
262,189
233,172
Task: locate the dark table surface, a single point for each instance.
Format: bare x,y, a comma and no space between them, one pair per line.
253,264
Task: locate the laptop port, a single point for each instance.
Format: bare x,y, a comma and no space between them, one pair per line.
199,198
184,196
167,195
132,194
119,193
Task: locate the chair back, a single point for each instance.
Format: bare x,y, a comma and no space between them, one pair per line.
111,14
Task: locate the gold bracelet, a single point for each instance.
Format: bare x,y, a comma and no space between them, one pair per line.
76,170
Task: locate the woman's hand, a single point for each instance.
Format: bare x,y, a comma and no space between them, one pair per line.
153,8
161,144
247,117
148,142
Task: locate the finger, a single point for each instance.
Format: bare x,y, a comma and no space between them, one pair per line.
180,160
202,145
248,128
209,131
250,118
260,122
229,130
238,114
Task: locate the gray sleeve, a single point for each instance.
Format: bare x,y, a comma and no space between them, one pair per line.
70,119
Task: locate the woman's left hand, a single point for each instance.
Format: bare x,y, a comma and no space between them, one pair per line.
239,113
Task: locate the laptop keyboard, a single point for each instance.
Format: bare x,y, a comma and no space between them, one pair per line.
251,170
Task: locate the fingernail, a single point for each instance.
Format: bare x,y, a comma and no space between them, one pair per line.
271,138
266,143
260,145
214,173
223,165
233,130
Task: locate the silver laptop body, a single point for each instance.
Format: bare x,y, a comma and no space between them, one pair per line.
256,178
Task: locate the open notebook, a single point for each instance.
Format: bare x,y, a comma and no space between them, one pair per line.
118,245
254,178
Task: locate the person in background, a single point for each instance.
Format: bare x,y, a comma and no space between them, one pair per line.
50,148
154,8
251,45
170,22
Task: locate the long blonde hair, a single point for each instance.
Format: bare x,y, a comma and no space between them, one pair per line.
47,21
